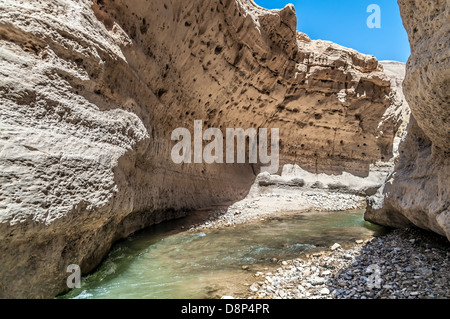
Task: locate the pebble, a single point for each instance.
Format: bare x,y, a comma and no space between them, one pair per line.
317,281
324,291
335,246
254,287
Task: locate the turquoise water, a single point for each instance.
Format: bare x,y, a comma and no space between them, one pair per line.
164,262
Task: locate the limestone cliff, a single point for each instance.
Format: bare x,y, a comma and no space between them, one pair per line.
418,192
91,91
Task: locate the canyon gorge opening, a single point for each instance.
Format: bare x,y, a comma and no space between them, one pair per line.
91,92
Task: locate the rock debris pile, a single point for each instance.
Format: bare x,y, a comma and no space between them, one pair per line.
402,264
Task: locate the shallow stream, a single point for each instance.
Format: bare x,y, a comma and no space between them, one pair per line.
165,261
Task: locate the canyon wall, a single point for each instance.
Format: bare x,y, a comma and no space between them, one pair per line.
91,91
418,192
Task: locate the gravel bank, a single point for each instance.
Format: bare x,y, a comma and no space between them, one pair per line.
402,264
279,203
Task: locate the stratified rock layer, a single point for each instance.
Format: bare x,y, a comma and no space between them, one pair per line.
91,91
418,192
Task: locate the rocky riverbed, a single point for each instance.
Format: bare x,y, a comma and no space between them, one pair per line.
409,263
402,264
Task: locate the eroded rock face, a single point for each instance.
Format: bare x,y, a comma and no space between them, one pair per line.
399,109
418,193
427,78
91,91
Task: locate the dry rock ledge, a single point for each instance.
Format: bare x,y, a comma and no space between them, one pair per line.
90,92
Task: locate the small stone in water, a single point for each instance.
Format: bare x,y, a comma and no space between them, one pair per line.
245,267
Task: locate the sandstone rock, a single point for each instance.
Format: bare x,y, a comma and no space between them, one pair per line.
399,110
91,90
294,176
418,192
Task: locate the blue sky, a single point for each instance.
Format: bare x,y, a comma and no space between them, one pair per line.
344,22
